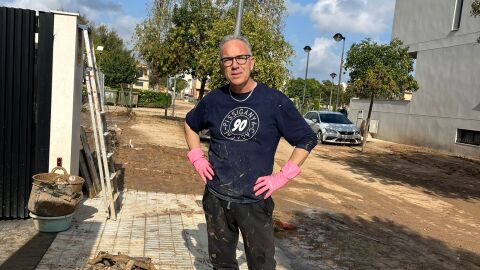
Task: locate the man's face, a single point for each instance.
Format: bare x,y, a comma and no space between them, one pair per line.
236,74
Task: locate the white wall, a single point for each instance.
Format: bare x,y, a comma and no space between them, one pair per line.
66,92
448,74
421,21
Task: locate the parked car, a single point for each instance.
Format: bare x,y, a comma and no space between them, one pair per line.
333,127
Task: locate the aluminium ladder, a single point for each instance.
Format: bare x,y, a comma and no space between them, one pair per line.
99,127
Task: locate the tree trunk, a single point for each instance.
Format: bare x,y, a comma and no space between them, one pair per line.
202,88
367,124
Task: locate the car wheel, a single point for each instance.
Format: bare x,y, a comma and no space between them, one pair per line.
320,136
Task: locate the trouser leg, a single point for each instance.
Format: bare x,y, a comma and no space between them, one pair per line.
255,223
222,233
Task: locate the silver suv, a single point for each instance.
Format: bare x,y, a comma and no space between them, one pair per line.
333,127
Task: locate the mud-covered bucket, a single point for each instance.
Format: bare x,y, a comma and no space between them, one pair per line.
73,182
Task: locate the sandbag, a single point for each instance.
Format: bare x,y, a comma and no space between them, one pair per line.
52,199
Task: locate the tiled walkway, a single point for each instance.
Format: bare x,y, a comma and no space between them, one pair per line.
169,228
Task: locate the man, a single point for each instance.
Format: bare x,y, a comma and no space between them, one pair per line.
246,120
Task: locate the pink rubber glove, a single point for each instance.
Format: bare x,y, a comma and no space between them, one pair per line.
276,180
202,166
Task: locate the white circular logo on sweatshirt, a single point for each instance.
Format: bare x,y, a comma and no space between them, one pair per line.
240,124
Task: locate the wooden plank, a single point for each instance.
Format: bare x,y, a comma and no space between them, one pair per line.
89,160
86,175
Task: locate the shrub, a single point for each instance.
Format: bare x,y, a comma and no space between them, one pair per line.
154,99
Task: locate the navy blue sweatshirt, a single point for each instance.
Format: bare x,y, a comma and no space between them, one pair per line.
245,136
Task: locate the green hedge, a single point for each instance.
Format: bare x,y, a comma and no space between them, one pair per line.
154,99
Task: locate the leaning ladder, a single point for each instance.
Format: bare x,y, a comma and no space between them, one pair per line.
100,131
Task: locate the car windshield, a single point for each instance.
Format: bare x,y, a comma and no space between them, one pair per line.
334,118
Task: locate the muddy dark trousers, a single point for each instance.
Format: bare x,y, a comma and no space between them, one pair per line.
254,220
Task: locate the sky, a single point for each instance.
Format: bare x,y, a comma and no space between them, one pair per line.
308,22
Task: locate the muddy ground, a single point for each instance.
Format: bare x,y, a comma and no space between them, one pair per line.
391,207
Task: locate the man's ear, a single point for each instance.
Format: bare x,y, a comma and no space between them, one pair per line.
221,69
252,63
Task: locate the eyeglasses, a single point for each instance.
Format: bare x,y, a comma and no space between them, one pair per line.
241,60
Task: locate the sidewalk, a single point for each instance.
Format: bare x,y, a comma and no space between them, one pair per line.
169,228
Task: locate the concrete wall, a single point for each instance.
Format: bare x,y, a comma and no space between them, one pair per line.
431,20
448,74
66,92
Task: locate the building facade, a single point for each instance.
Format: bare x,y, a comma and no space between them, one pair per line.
143,78
444,114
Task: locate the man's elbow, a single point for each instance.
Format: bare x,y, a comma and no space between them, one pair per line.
308,143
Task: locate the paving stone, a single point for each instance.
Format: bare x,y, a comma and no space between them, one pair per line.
169,228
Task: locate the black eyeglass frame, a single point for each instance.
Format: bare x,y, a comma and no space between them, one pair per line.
241,60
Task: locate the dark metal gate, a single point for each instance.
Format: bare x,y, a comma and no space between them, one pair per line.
25,94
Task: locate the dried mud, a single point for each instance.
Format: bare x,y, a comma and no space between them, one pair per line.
391,207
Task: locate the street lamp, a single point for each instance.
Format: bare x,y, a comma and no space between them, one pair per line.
238,24
339,37
307,49
333,75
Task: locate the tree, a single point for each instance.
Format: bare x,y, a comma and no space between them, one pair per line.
109,39
315,94
119,67
115,61
262,25
181,84
173,38
475,8
379,71
189,44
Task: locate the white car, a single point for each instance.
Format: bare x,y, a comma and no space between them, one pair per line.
333,127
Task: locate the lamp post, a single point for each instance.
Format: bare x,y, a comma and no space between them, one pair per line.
333,75
339,37
238,24
307,49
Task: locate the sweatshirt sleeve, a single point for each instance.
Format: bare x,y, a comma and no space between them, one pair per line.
196,118
293,127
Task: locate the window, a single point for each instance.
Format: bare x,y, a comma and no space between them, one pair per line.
334,118
466,136
139,84
457,15
413,56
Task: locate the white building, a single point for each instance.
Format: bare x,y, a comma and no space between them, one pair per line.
444,114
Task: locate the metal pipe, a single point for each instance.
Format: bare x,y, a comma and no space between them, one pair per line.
333,75
305,82
238,24
340,74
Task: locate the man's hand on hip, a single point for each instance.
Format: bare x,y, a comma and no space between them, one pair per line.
271,183
201,164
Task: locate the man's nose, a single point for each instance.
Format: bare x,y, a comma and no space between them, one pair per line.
235,65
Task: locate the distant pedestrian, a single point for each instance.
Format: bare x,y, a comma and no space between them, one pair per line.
246,120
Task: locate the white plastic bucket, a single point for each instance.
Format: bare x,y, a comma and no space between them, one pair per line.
52,224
